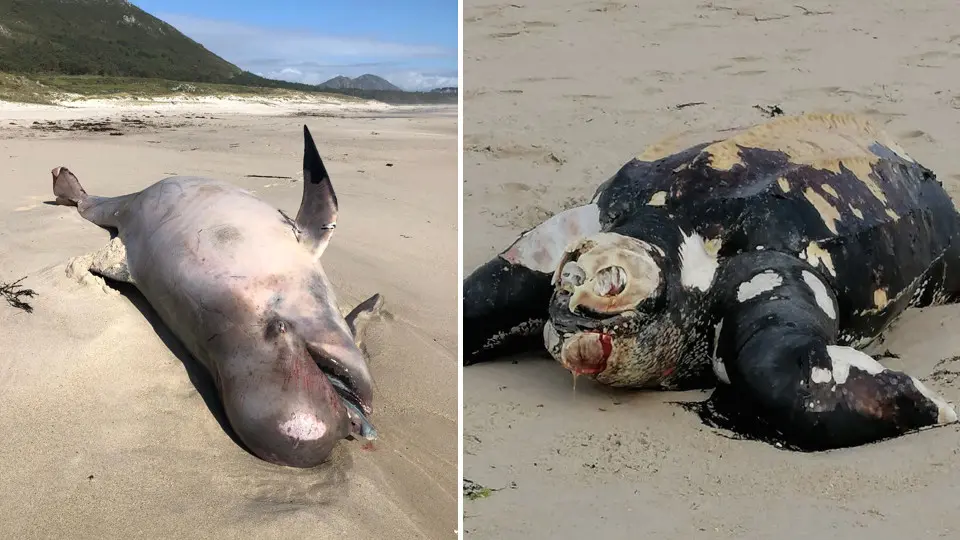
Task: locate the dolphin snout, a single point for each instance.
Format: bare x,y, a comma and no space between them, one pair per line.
301,439
345,364
299,429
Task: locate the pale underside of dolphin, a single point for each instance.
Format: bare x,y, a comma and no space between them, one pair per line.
240,284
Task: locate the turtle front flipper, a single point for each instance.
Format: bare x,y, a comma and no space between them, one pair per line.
784,380
505,301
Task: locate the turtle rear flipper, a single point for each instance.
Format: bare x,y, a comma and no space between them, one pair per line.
783,377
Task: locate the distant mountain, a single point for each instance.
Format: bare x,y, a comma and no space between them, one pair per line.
363,82
101,37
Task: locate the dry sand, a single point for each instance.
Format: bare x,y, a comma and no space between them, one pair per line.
559,94
104,432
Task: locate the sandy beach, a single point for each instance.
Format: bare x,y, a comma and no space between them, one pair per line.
106,432
558,96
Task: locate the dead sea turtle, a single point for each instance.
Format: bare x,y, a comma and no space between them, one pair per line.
762,264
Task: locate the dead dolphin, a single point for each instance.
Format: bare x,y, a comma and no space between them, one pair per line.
240,284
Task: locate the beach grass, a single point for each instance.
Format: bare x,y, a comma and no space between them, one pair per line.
51,89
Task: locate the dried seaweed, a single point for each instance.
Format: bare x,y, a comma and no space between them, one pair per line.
14,294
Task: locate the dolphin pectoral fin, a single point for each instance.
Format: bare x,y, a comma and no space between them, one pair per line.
110,262
361,315
317,217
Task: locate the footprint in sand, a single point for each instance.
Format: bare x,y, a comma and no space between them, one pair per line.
543,79
607,7
538,24
582,97
514,187
918,134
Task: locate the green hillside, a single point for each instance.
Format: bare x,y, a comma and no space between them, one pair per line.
101,37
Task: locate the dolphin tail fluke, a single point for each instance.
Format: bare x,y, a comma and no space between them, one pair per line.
66,187
102,211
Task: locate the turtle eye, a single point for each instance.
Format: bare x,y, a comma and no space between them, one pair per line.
571,276
610,273
610,281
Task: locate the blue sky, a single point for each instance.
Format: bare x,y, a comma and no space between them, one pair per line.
411,43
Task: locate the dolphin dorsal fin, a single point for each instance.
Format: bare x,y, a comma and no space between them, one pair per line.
317,217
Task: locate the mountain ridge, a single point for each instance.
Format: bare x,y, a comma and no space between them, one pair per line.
366,81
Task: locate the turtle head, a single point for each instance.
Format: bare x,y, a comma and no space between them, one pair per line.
608,312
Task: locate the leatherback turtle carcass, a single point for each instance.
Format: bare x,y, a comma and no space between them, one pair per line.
762,264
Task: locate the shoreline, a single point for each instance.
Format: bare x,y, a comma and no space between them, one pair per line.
84,108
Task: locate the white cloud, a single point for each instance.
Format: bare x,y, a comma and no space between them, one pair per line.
414,80
310,58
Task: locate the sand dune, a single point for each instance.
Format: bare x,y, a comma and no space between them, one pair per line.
106,432
558,96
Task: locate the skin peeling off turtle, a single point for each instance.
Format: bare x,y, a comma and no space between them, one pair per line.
761,264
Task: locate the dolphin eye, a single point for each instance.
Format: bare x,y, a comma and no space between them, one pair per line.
276,328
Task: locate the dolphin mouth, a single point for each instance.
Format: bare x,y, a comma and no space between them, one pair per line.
359,423
352,391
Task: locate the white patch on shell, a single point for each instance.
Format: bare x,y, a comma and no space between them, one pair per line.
719,369
820,375
303,427
843,358
816,255
551,338
658,199
716,336
697,265
945,413
542,247
765,281
820,294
